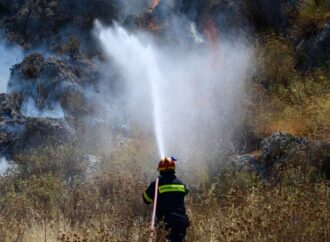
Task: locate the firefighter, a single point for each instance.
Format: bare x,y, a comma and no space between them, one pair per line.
170,204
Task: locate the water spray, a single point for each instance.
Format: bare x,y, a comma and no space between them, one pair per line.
189,98
155,78
126,50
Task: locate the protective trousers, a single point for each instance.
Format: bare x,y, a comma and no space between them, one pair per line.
177,224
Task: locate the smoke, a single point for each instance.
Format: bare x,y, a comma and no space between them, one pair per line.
29,109
132,7
10,55
4,165
190,97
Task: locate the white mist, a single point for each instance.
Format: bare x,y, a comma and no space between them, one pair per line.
10,55
4,165
191,95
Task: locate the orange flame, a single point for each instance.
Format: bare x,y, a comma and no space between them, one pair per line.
211,33
155,4
210,29
152,24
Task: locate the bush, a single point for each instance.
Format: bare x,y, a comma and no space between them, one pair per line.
285,99
312,16
275,62
300,109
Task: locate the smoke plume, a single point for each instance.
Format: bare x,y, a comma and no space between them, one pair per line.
29,109
10,55
131,7
3,165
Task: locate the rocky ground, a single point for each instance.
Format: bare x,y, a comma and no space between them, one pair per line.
281,150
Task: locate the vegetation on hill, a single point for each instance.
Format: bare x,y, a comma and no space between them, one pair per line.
57,193
104,202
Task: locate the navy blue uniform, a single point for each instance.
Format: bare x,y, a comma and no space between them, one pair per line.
170,204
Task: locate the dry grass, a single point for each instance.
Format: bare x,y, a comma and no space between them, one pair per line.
275,61
310,119
284,213
284,99
107,205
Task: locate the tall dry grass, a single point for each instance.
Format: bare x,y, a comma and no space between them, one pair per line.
106,205
282,98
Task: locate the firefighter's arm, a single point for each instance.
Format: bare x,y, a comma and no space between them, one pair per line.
148,195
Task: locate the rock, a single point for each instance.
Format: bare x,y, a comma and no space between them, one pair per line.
11,123
18,133
30,133
11,133
38,88
9,106
50,82
281,149
315,51
247,163
39,131
34,23
31,66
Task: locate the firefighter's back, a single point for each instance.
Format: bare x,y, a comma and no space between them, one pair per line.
171,195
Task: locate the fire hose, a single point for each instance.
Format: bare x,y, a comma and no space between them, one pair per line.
153,218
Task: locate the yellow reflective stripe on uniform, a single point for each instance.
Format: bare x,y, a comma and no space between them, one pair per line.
172,188
147,198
